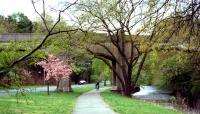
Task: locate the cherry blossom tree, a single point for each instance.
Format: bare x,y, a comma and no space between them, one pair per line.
55,68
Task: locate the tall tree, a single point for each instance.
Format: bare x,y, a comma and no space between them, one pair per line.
131,32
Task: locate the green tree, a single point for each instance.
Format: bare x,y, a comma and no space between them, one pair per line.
12,51
100,71
118,19
24,24
7,24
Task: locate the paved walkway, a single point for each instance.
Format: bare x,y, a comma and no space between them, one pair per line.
92,103
37,89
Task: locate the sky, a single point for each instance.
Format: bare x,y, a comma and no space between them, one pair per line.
8,7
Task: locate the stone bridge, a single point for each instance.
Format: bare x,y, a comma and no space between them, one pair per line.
96,49
106,49
109,51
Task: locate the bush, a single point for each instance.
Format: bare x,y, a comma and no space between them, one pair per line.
180,76
11,52
175,68
149,70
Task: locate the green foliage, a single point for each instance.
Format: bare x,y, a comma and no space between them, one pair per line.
82,63
14,50
172,99
24,24
149,71
17,22
177,64
58,44
8,54
195,90
69,47
39,27
179,75
161,66
99,67
7,24
173,71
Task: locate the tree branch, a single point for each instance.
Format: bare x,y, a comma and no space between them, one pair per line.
49,33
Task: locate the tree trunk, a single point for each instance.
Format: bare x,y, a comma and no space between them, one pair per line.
48,87
65,85
124,72
57,85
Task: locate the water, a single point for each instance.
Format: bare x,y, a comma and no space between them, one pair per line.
152,93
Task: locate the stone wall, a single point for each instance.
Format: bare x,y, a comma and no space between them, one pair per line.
19,37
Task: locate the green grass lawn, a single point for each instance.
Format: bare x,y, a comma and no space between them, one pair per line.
41,103
124,105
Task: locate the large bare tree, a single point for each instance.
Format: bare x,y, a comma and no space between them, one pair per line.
131,28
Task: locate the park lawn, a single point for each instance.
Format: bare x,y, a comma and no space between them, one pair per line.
125,105
41,103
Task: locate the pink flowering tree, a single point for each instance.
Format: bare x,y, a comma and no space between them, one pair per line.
55,68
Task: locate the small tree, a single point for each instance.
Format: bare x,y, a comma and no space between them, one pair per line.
56,69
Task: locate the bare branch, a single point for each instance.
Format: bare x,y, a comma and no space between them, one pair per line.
50,32
42,17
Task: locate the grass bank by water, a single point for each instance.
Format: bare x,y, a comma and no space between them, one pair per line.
41,103
124,105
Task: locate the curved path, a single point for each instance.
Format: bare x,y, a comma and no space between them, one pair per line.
36,89
92,103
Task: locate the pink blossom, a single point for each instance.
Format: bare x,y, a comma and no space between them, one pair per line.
55,68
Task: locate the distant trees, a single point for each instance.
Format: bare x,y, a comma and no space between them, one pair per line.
100,71
23,23
15,23
7,24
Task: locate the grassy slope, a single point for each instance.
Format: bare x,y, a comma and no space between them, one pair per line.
41,103
124,105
